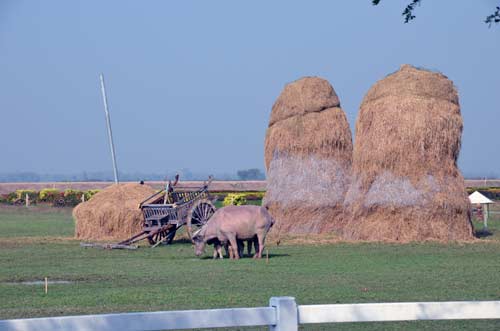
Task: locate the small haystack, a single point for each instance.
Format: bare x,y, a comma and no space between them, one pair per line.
111,214
308,151
405,182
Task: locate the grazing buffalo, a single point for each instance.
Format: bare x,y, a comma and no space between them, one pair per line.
232,223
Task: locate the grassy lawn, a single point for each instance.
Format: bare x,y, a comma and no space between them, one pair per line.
38,243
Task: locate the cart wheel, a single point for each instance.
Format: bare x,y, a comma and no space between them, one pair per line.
199,215
155,238
168,233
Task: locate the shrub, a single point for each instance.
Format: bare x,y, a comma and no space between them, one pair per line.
89,194
73,197
5,198
236,199
8,197
254,195
49,194
32,194
249,195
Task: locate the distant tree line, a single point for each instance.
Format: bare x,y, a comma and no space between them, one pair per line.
185,174
251,174
103,176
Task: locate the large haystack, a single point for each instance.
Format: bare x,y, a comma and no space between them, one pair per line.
111,214
308,153
405,182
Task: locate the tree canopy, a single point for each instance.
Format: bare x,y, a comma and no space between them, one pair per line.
409,9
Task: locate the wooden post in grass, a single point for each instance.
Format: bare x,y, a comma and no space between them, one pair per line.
27,200
46,285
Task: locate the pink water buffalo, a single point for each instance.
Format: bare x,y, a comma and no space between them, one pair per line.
232,223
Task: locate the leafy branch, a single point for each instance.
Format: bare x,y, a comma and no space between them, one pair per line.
493,18
408,12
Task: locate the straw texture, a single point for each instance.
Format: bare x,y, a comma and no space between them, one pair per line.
405,182
112,214
308,152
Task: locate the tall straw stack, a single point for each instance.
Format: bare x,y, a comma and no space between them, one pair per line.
308,151
406,185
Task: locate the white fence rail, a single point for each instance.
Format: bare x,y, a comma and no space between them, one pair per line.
162,320
283,314
401,311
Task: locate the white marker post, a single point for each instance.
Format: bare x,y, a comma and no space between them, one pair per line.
110,133
486,214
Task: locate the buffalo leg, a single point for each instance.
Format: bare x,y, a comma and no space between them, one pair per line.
219,251
233,246
255,241
249,247
241,247
258,253
215,252
229,253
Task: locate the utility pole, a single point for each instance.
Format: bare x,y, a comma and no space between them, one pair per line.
110,133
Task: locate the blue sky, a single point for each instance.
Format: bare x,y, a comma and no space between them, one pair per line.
191,83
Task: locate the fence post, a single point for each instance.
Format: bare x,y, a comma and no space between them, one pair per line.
286,314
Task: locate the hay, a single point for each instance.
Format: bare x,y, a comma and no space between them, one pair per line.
111,214
405,182
308,94
308,152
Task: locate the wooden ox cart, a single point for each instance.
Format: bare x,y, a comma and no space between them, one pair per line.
168,210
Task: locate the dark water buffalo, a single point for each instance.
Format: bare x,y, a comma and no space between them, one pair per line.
232,223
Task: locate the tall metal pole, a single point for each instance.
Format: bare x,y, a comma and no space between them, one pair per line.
110,133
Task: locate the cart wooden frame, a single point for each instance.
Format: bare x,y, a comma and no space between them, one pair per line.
166,211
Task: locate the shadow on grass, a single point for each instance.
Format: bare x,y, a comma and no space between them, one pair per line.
206,257
182,241
483,233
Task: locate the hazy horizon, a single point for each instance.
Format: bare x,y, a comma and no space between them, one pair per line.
191,84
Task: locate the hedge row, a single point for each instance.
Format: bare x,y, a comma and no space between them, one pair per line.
251,195
72,197
68,197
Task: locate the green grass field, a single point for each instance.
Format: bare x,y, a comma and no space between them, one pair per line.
37,243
